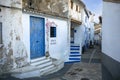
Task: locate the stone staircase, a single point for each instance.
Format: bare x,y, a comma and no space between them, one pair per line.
74,55
38,67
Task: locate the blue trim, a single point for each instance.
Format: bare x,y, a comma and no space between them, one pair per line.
74,49
72,62
74,53
74,58
72,42
74,46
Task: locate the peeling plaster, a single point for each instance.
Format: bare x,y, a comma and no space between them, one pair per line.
20,54
13,54
6,61
53,7
9,45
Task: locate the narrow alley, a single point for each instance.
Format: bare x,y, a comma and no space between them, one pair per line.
59,39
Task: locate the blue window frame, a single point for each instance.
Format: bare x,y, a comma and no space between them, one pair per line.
52,32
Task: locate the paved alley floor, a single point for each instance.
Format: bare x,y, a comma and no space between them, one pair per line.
92,55
88,69
77,71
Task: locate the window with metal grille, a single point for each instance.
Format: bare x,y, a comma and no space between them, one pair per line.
52,32
0,33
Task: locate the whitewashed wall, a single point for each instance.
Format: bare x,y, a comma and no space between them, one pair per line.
92,31
59,50
80,35
26,32
58,47
13,53
111,30
73,13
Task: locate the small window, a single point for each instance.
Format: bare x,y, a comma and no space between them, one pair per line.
0,33
77,8
71,5
30,3
52,31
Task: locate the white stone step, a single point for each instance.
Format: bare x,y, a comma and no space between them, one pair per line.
73,61
74,44
49,71
44,65
74,50
38,59
33,73
47,68
75,57
75,54
58,65
40,62
24,69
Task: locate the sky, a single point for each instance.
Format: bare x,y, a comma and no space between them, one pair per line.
95,6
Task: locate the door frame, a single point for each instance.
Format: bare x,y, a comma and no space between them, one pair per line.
43,34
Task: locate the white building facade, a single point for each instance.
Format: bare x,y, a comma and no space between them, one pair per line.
57,46
110,37
35,41
31,43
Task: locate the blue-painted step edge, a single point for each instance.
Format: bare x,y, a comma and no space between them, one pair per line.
74,49
74,46
75,55
74,52
72,42
74,58
72,62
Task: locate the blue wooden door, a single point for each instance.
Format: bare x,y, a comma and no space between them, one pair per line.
37,37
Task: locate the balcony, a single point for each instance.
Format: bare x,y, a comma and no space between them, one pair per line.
75,16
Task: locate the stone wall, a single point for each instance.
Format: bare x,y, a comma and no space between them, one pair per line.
13,52
52,7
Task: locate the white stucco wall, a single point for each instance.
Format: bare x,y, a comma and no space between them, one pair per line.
111,30
13,53
91,31
58,47
81,35
26,32
76,15
59,50
11,3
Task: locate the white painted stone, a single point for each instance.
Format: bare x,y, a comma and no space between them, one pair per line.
57,50
111,30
